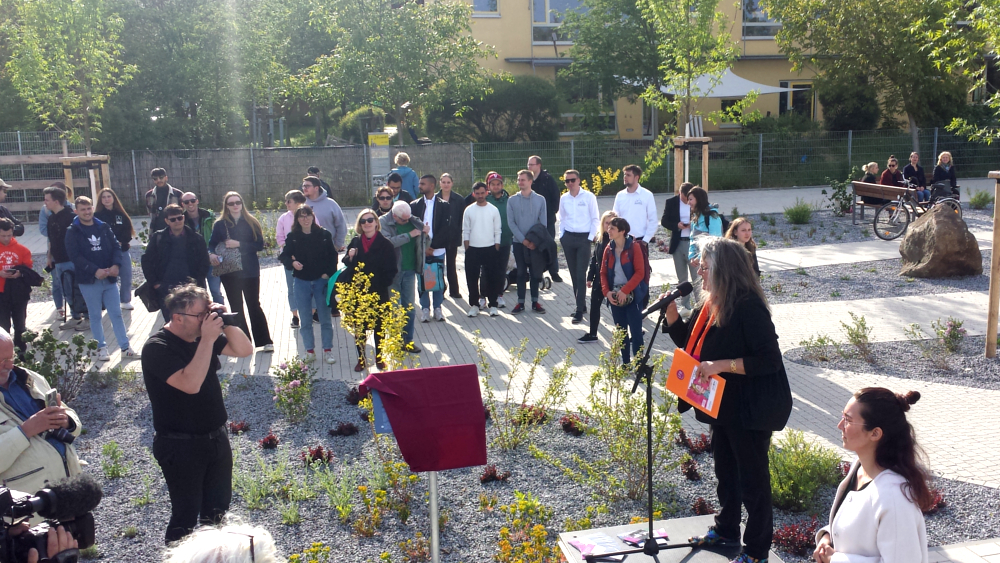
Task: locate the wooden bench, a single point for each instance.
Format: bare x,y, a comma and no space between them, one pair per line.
862,189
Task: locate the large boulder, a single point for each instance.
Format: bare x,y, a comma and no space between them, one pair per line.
939,245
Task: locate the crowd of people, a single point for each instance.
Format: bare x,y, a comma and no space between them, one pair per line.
412,231
944,177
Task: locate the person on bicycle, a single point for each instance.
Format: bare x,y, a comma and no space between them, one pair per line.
891,176
945,172
915,174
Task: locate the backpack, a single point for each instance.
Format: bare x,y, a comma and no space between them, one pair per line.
725,222
645,254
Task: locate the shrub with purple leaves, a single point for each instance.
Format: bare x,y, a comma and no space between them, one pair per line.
344,429
797,539
690,470
316,454
702,507
950,332
490,474
571,424
238,427
939,501
269,442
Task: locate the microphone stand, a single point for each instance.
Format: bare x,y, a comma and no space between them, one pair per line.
651,546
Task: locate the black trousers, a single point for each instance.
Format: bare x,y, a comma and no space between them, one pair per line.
239,289
551,228
741,467
199,476
481,271
596,300
451,255
11,311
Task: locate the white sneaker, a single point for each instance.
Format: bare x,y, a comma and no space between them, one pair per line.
130,354
267,348
71,324
310,356
127,306
500,302
425,315
494,312
102,354
438,315
330,358
482,302
474,311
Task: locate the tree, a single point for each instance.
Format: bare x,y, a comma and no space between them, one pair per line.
849,102
523,109
859,38
400,56
65,61
693,41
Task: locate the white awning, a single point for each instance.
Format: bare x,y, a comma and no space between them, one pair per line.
729,86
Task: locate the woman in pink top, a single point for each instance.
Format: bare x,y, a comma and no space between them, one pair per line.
293,200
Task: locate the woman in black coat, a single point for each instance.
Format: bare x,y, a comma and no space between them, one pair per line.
594,277
945,172
109,210
740,345
237,228
378,257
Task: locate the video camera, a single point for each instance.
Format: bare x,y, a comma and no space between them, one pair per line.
68,503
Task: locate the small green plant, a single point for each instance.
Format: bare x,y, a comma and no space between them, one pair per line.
339,490
130,532
931,349
950,332
488,502
772,231
841,195
524,538
865,233
146,497
761,243
845,277
801,271
734,213
811,232
416,550
817,348
859,335
318,552
586,521
777,288
113,465
871,270
90,553
799,468
979,200
375,504
800,213
835,293
290,515
293,390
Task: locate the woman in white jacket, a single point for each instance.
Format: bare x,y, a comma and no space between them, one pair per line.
877,514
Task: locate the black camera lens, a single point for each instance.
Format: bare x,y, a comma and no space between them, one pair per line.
62,435
228,319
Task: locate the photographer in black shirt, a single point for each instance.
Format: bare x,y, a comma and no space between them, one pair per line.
180,365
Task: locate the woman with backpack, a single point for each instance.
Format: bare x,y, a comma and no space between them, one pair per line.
705,220
623,280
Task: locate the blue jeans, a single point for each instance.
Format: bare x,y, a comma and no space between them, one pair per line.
215,287
125,279
629,318
290,284
405,283
103,292
425,300
309,294
61,292
923,194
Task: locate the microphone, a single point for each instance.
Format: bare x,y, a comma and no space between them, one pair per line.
682,289
65,500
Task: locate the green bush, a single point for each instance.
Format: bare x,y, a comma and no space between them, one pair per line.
800,213
859,335
799,469
352,125
979,200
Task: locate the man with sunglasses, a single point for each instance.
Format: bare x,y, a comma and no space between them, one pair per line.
159,197
174,256
201,221
578,221
180,368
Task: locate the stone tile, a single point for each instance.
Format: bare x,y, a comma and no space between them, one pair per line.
984,549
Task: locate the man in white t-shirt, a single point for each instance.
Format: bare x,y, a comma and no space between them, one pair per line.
578,222
481,232
635,204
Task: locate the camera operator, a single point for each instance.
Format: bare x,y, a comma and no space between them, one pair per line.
59,541
31,454
180,365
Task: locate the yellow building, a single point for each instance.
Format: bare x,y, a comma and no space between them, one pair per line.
526,36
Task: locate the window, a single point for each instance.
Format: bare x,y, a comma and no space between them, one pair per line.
485,6
799,100
547,16
756,22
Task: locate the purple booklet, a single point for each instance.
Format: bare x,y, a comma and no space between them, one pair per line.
596,544
639,537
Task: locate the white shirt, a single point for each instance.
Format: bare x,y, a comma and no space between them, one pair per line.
878,524
639,209
481,225
686,219
579,214
429,221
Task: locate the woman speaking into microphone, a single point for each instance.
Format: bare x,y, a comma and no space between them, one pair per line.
731,334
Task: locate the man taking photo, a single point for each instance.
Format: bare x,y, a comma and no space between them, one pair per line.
180,365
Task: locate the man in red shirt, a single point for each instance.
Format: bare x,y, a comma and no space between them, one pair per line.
14,296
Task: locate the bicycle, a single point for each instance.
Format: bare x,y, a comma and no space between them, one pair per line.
893,218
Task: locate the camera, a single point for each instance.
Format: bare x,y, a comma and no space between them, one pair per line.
61,435
67,504
228,319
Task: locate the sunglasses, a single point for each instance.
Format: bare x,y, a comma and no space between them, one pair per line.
366,220
384,198
187,201
572,180
175,218
234,203
892,166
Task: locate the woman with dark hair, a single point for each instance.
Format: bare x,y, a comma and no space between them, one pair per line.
623,281
877,513
594,277
377,257
310,254
891,176
741,230
237,228
382,203
705,220
732,335
109,209
915,174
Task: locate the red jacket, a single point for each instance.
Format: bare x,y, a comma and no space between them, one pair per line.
890,178
13,254
631,254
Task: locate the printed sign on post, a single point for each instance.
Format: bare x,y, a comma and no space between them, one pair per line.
378,156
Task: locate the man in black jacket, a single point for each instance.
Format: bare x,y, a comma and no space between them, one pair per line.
457,205
435,213
174,256
4,212
546,187
64,286
677,220
158,198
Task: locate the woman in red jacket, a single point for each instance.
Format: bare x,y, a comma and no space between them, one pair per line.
623,279
891,176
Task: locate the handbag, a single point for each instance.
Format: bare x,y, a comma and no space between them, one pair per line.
147,294
232,260
433,276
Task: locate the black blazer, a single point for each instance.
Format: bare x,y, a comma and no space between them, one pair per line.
761,399
442,219
672,216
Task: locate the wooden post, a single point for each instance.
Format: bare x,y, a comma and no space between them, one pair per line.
68,176
678,164
704,166
105,176
994,311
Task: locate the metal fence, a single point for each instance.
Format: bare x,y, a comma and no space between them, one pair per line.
739,161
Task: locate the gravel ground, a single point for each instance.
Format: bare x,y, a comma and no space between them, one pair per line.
864,280
967,367
121,413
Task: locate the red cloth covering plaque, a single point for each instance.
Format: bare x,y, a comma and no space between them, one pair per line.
436,414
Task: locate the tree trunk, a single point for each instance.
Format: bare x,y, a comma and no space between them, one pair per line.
401,127
320,140
914,133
